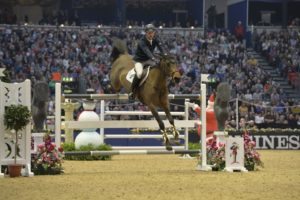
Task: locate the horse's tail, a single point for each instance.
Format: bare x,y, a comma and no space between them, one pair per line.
119,47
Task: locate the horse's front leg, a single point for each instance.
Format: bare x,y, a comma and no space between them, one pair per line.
171,120
161,127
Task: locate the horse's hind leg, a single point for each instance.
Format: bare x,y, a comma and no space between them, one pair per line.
161,127
171,120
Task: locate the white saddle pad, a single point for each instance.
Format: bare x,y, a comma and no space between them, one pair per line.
130,75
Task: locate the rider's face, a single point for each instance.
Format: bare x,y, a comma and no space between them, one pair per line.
150,35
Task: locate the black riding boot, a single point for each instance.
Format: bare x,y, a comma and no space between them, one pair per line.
134,86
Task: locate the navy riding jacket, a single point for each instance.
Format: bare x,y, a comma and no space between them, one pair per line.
145,50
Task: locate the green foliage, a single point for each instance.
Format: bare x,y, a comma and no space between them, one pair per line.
89,147
69,146
16,117
6,78
194,146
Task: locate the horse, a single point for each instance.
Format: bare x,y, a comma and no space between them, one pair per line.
39,105
153,92
221,104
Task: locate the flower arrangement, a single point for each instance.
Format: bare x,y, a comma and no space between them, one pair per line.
252,157
216,154
48,159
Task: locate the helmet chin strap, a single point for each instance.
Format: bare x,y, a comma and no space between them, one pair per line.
150,41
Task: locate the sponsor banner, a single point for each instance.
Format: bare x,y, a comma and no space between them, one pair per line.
277,141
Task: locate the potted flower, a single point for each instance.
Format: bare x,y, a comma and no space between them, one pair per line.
16,118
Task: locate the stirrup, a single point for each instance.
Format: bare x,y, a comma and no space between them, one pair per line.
131,96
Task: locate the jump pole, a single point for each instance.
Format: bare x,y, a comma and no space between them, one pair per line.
203,166
123,96
130,152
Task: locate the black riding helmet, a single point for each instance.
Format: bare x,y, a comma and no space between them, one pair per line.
149,27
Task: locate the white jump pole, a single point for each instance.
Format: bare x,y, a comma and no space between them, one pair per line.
102,113
203,166
123,96
130,152
58,114
186,130
142,113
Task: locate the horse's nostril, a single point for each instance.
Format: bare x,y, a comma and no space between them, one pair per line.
176,79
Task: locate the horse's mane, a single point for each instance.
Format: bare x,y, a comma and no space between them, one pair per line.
119,47
166,60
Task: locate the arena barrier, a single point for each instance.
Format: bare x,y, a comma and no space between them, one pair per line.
130,152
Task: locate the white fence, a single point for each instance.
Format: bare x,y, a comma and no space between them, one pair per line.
10,94
102,124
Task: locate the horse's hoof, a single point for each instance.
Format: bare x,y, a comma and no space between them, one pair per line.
169,147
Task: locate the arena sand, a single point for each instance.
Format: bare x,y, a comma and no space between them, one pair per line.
163,177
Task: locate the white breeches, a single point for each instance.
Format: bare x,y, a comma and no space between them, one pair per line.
138,67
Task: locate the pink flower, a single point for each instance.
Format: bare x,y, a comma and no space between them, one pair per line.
252,143
40,145
60,149
221,144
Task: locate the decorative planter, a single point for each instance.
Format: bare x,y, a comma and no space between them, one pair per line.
14,170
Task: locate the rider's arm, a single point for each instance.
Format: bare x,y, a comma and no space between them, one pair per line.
146,50
160,46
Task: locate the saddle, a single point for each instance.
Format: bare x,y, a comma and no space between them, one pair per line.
130,75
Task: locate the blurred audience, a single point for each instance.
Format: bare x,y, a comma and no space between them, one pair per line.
81,56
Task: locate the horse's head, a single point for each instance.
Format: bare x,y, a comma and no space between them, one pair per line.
169,66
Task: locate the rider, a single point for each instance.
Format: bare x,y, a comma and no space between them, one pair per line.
144,55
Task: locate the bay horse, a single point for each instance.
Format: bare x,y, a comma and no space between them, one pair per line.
221,104
154,91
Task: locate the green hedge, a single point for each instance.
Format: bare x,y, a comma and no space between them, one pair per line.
102,147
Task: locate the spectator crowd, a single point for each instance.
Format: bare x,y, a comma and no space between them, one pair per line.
83,54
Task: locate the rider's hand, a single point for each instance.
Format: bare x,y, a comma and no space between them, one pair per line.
155,60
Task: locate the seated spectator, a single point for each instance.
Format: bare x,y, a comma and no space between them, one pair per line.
259,119
242,123
243,110
295,109
281,121
279,108
252,61
274,97
248,96
292,121
269,119
251,125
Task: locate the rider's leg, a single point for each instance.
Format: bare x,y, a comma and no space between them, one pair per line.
138,67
